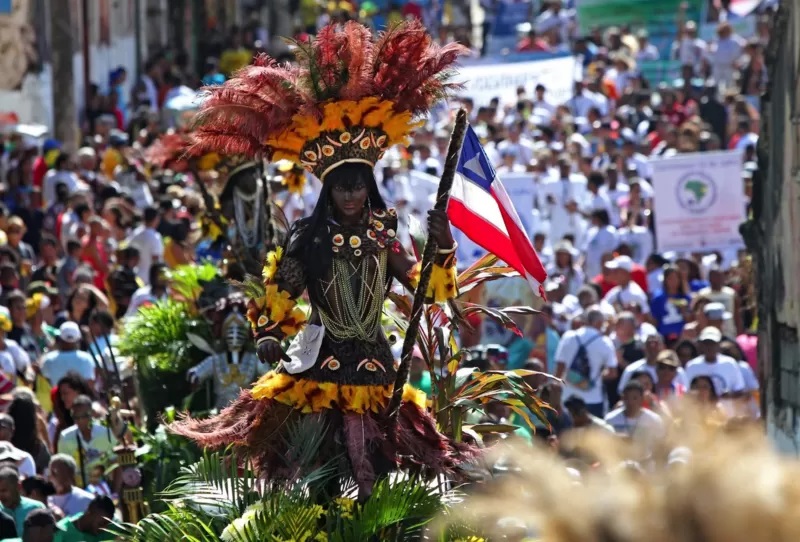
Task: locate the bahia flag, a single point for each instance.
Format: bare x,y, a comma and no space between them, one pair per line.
480,207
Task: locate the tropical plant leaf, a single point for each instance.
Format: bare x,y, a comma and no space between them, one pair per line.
487,428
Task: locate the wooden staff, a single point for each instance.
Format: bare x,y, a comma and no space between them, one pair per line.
442,196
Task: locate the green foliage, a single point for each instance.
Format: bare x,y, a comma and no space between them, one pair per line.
162,456
187,281
219,498
456,390
156,338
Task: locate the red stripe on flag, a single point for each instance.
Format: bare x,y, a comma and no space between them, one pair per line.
484,234
522,245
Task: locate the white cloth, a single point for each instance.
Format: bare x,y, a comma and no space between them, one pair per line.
722,56
647,428
74,502
56,364
562,221
141,297
724,373
97,451
601,354
599,241
151,250
642,365
641,241
26,465
630,294
51,180
14,360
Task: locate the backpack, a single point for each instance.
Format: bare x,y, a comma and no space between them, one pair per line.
579,372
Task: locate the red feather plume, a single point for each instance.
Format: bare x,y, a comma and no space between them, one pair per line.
403,65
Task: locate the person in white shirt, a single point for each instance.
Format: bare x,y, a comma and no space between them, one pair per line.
68,358
640,240
542,107
60,173
584,358
14,360
601,238
561,196
149,242
555,18
688,48
8,452
68,498
723,370
723,55
626,292
515,142
91,443
653,350
633,421
647,51
156,291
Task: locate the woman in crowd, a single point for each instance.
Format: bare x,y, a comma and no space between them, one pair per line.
670,305
63,395
26,434
565,264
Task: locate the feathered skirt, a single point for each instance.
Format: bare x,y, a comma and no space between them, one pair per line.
351,411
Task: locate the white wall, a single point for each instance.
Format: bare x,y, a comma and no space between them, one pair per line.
103,59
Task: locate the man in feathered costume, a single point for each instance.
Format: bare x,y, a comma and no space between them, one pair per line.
348,99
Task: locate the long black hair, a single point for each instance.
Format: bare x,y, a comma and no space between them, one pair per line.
309,239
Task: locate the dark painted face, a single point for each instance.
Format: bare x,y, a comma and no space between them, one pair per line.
349,199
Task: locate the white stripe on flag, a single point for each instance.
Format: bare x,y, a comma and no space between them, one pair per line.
479,201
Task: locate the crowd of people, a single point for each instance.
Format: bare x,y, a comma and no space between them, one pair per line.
87,237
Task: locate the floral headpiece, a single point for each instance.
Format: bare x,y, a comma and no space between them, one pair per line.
348,98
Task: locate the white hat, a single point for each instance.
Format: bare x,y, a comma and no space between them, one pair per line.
621,262
86,152
69,332
710,333
8,451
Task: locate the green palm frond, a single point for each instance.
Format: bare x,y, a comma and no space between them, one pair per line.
187,280
156,337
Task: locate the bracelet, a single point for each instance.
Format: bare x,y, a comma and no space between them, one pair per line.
268,338
447,250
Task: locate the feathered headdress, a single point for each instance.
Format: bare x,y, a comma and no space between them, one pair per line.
348,99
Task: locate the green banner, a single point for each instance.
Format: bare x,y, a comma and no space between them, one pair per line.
659,71
657,16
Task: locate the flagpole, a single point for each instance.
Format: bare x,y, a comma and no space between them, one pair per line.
442,196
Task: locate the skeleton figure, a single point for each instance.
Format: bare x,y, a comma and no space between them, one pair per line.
232,366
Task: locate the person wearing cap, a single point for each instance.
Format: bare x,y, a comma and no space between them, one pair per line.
722,370
719,293
61,173
626,293
11,500
584,359
716,316
653,350
667,382
68,357
90,525
8,452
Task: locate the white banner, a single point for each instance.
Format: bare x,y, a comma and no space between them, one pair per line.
483,82
699,202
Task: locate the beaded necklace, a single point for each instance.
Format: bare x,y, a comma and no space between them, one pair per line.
355,293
